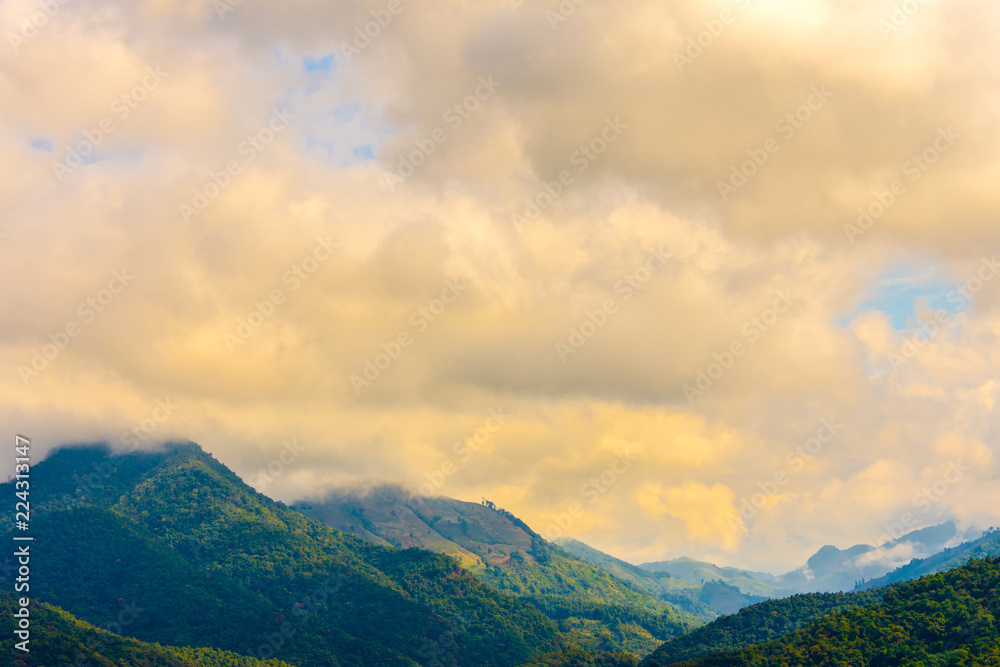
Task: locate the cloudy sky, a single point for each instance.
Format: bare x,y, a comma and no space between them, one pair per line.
703,278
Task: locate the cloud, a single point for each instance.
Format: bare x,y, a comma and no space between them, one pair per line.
582,276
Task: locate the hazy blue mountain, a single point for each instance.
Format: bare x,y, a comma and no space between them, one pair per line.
695,571
715,593
986,546
831,569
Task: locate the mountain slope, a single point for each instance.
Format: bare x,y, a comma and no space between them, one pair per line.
177,530
756,625
695,571
596,609
57,638
949,619
988,545
831,569
702,596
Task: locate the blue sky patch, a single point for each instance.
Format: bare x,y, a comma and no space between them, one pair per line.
897,290
42,145
324,64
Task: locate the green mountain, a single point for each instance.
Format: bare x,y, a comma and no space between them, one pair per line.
577,657
705,596
695,571
758,624
988,545
596,610
57,638
950,618
212,563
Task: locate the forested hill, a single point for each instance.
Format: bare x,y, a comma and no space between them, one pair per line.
758,624
950,619
595,609
57,638
177,531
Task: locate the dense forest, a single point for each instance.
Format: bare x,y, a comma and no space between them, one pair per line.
57,638
758,624
177,531
594,609
949,619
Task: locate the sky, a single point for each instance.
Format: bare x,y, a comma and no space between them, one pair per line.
712,279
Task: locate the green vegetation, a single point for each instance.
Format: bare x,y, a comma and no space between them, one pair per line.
574,656
594,609
695,572
212,563
57,638
950,619
756,625
700,589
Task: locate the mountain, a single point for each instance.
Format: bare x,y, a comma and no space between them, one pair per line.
831,569
596,610
757,624
577,657
57,638
700,596
988,545
943,619
695,571
213,563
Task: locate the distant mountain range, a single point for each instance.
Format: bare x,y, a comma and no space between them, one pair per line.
832,569
720,594
986,546
947,619
214,574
